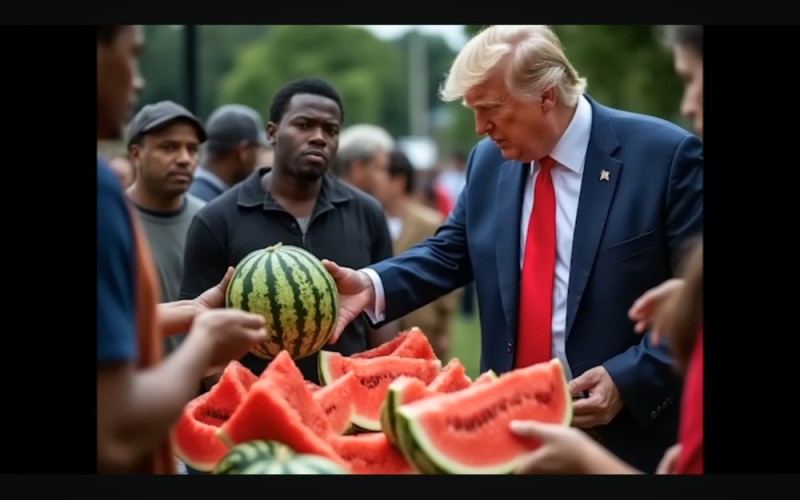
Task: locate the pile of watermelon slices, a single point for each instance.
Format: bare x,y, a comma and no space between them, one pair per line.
390,410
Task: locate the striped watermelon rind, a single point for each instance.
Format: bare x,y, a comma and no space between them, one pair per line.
294,292
272,457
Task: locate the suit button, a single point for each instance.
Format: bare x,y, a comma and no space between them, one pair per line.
653,414
509,347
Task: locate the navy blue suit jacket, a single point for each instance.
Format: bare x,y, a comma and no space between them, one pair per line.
630,232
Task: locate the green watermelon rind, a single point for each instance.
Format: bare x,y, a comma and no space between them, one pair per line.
389,409
272,457
304,282
428,460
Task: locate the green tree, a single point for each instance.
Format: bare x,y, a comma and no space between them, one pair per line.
365,70
163,61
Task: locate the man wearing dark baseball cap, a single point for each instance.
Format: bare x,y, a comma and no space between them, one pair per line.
236,137
160,114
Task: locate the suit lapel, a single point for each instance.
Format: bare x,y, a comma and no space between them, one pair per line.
510,188
600,175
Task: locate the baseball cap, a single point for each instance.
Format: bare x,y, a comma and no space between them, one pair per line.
153,116
233,123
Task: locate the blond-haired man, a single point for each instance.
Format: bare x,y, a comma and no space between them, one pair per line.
570,212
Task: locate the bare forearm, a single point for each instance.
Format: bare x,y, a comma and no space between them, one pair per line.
601,461
152,403
176,317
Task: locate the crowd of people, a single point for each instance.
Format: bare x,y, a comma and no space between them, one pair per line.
569,224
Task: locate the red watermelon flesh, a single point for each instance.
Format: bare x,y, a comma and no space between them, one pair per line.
312,387
385,349
371,453
374,376
411,343
337,401
280,407
453,377
467,432
194,436
485,377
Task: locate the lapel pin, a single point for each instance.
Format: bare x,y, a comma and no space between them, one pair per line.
605,175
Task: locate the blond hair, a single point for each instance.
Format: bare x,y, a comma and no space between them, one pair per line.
536,62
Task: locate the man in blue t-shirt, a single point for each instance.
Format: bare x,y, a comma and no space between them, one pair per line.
140,396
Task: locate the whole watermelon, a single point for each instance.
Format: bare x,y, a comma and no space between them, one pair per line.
294,292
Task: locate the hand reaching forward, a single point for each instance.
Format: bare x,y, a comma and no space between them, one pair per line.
228,334
565,450
214,297
355,294
644,309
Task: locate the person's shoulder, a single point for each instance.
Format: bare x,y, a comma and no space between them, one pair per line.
193,203
642,125
110,192
107,179
486,152
220,206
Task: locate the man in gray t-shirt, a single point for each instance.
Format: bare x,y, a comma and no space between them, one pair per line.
164,142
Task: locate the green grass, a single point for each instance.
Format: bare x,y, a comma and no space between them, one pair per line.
466,343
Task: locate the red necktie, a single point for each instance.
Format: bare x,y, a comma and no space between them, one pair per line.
538,273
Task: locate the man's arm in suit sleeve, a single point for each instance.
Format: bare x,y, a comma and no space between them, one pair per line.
427,271
644,374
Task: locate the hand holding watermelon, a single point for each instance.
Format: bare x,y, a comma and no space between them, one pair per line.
214,297
228,333
565,450
355,294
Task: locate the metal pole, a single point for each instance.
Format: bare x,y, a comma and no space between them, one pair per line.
418,84
190,68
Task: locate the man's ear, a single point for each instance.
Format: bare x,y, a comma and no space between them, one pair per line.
549,99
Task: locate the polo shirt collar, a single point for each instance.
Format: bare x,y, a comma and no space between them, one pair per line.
252,193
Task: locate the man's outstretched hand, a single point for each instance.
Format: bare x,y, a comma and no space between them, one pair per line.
355,294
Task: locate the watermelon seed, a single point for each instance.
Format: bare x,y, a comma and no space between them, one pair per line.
489,414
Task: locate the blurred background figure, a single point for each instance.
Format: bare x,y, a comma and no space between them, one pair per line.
410,222
122,166
363,150
236,140
164,143
267,156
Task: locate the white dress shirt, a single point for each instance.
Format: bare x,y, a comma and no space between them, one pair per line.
569,154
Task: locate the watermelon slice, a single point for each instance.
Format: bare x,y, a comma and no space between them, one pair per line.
467,431
453,377
279,407
194,436
411,343
337,401
487,376
404,390
371,453
374,376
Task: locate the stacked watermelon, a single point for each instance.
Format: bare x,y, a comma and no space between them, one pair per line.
390,410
